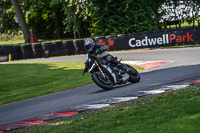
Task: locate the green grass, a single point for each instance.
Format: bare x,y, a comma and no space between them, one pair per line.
184,25
26,80
173,112
11,42
21,41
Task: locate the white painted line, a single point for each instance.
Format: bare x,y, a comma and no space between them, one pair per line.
139,62
123,99
176,86
153,91
115,100
95,106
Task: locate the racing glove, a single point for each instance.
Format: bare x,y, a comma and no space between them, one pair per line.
85,70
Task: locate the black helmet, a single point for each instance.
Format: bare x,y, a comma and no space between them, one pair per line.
89,44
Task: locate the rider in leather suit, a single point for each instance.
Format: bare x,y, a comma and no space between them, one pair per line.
100,51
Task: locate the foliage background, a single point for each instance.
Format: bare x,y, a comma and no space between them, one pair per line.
84,18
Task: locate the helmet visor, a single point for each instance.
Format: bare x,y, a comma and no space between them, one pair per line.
90,46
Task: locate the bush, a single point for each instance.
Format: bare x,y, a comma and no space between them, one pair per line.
11,35
122,17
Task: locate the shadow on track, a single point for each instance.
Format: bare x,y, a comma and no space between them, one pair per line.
116,87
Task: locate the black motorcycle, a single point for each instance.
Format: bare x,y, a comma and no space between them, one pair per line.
104,73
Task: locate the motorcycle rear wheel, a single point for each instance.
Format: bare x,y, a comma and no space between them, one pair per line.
134,76
106,84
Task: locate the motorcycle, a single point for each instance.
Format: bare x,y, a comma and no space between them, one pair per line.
104,73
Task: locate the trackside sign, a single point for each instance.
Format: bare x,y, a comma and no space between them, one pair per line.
153,39
148,41
163,39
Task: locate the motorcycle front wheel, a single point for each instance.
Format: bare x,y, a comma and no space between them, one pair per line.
102,82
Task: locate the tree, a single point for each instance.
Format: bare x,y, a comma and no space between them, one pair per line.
7,17
63,18
194,9
21,19
156,6
181,10
40,16
111,17
77,14
58,9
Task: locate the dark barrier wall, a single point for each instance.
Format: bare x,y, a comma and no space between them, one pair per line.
79,46
152,39
38,51
59,48
6,50
48,48
17,53
114,42
4,58
99,38
4,53
69,47
27,51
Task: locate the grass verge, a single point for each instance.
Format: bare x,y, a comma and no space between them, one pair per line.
171,112
21,41
25,80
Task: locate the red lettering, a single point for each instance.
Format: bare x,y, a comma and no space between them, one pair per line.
179,39
172,37
184,38
189,37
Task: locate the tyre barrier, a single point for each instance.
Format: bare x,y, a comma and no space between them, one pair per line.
150,39
59,48
46,52
17,53
4,58
4,53
27,52
6,50
69,47
38,51
48,48
79,46
54,49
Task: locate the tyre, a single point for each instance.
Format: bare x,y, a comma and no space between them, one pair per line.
134,76
99,80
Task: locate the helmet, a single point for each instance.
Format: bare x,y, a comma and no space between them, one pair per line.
89,44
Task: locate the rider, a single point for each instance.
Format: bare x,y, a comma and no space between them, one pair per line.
100,51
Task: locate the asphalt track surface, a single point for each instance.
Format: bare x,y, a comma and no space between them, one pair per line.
180,64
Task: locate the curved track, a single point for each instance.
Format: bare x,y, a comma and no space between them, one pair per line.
180,64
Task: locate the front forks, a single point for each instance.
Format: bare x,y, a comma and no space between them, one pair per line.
100,69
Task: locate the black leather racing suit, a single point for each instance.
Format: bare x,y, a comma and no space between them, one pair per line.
100,51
